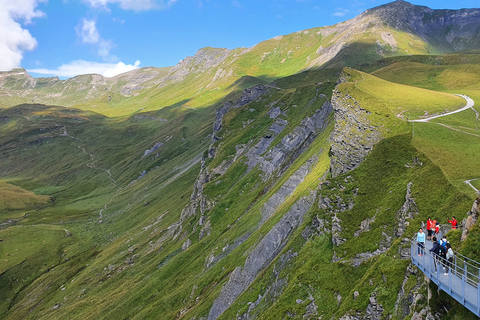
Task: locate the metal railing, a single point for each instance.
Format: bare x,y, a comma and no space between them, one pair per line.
459,278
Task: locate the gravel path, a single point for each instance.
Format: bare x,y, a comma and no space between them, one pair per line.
469,105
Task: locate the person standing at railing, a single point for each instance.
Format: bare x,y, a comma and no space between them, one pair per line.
453,222
442,250
435,250
420,242
449,261
429,228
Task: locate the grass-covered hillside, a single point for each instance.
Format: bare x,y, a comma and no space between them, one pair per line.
204,214
245,183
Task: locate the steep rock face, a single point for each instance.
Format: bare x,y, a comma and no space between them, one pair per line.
263,253
407,211
287,189
450,30
353,137
291,145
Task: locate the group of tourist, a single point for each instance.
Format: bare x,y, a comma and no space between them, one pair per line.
433,227
442,249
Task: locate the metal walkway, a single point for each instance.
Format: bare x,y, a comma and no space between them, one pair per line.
461,281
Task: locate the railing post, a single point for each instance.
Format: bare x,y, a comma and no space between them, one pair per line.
429,266
412,250
464,279
450,279
478,293
455,264
438,265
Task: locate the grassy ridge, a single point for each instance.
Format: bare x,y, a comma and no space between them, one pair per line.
400,100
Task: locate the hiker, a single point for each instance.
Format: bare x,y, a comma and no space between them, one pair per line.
435,250
449,261
429,228
437,229
442,250
453,222
420,242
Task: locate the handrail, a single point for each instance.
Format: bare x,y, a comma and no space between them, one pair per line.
466,259
461,278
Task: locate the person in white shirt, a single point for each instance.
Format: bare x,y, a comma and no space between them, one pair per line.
449,261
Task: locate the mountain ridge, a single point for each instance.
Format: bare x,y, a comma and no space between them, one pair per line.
240,184
397,28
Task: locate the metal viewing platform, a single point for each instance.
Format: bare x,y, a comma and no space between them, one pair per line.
460,278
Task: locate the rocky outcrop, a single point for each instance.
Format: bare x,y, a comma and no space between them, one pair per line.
374,310
406,300
248,95
291,145
408,210
287,189
471,218
353,137
276,284
261,256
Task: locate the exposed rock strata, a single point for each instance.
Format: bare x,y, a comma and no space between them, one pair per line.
259,258
353,137
291,145
275,287
287,189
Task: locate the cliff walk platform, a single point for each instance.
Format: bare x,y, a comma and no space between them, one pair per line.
460,278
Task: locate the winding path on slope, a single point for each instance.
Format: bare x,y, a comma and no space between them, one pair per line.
470,105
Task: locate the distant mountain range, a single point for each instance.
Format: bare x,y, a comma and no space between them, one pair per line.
397,28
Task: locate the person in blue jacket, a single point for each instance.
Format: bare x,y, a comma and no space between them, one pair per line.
420,242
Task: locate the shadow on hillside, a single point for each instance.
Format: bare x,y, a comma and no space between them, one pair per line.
354,55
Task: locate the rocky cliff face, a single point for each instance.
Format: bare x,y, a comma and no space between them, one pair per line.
354,136
448,30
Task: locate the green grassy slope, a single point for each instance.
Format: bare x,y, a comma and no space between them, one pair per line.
451,142
102,226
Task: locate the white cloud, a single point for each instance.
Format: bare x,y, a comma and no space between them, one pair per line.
78,67
87,32
340,12
14,39
135,5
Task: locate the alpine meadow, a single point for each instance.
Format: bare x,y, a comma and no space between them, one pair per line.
282,181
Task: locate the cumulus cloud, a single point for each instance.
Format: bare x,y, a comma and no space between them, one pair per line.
88,33
78,67
135,5
14,38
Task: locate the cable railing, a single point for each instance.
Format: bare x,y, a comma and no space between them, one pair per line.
459,278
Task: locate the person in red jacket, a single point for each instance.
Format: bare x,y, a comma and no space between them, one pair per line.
437,229
453,222
429,228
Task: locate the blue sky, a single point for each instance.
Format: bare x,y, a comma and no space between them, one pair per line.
70,37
